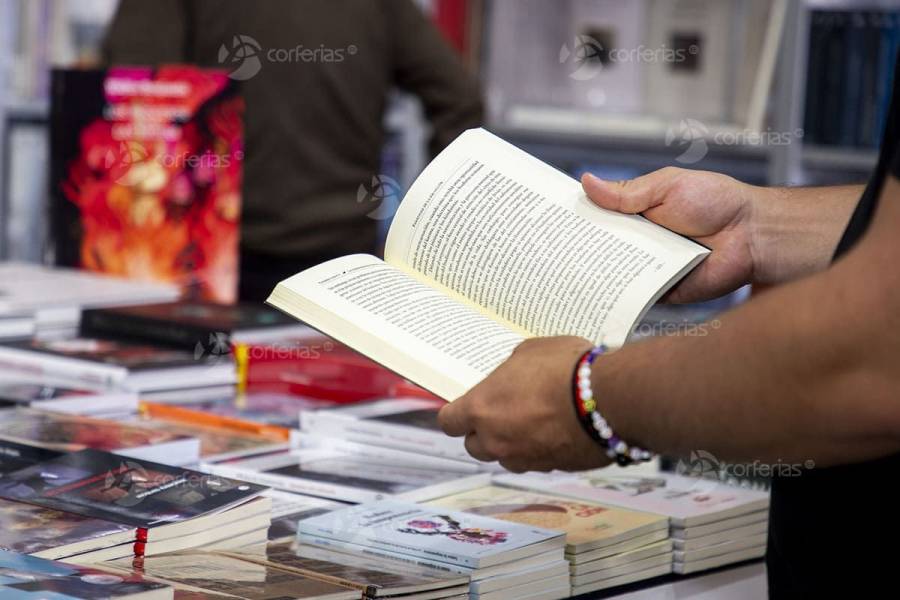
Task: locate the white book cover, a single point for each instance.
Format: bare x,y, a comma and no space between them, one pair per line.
605,54
692,76
413,530
685,500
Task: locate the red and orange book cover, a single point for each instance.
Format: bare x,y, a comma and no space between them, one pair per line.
147,172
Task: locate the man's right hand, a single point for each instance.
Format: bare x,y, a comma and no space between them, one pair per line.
713,209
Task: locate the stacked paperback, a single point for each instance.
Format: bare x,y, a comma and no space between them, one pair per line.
503,560
605,546
712,524
107,506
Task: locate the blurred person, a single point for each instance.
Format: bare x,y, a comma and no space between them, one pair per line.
316,78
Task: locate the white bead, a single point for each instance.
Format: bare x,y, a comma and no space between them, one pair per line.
584,371
606,433
585,384
585,394
621,447
611,453
635,454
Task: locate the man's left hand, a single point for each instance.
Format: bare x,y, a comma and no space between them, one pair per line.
523,415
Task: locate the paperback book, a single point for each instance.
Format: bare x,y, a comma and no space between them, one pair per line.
58,396
234,577
432,534
25,577
67,433
337,476
111,363
587,525
686,501
446,307
157,501
374,578
190,325
146,170
53,534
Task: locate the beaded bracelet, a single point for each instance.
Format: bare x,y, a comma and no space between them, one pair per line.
591,419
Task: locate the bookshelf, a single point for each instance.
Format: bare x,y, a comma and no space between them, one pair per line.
638,142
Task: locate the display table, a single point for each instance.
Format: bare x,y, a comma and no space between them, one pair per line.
746,581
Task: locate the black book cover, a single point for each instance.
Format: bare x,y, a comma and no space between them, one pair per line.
182,324
15,456
124,490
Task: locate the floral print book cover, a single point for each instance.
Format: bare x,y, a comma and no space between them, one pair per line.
146,165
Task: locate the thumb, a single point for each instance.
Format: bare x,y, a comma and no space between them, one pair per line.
454,418
631,196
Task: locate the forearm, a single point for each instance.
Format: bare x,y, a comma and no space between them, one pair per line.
803,372
794,231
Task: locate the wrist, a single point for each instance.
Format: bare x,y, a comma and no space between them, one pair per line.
588,411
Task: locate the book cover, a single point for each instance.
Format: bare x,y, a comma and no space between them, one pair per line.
130,356
587,525
24,577
373,577
452,537
687,501
217,443
49,533
185,324
146,169
15,456
64,432
228,575
124,490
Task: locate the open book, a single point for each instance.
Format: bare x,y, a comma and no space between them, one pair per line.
489,246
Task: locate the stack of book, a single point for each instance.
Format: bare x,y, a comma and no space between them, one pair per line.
352,477
374,577
408,424
224,577
23,577
33,292
67,433
111,363
18,390
106,506
503,560
712,524
605,546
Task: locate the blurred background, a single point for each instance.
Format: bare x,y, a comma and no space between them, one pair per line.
770,91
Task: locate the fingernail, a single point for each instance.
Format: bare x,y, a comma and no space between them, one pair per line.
593,178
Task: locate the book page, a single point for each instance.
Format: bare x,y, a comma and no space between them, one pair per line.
411,328
522,240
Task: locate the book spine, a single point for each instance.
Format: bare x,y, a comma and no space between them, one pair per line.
351,548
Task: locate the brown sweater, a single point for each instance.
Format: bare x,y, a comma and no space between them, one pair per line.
314,122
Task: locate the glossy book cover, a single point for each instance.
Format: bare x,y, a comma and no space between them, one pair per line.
146,165
65,432
124,490
587,525
23,576
49,533
415,530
